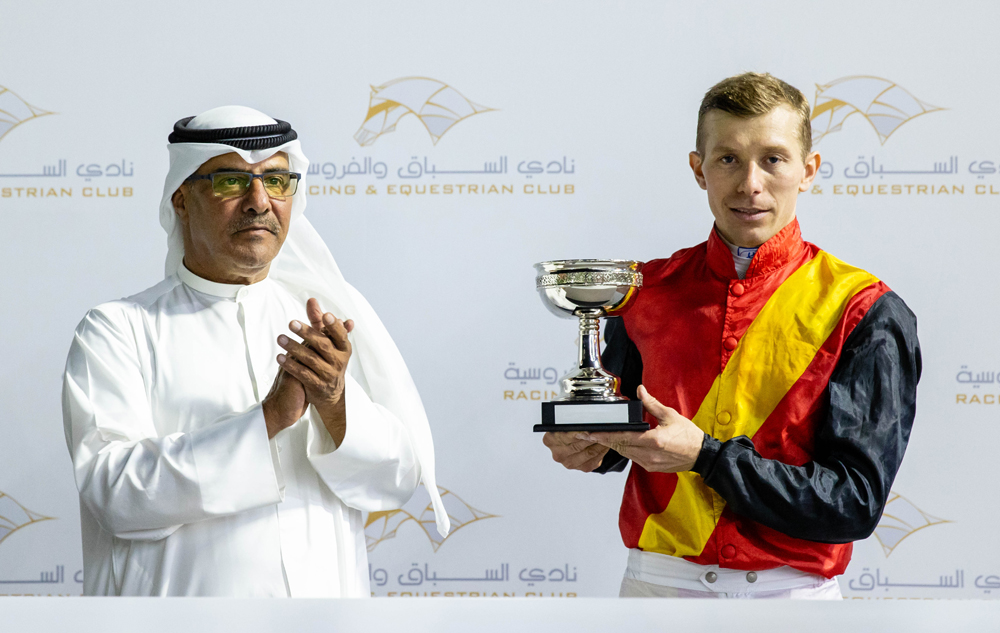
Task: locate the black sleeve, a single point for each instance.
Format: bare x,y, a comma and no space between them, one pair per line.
838,497
621,358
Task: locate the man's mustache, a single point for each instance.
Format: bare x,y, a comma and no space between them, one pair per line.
265,222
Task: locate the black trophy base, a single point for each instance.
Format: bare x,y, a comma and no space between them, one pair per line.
594,417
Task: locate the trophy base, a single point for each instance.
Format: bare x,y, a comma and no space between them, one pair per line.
597,417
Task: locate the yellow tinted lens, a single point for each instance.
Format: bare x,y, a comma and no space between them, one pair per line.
279,184
228,185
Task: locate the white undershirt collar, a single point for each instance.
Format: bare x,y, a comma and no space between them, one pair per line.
742,256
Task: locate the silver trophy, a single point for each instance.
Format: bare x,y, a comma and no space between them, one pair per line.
590,289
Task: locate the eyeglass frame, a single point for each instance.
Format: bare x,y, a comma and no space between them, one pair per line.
294,174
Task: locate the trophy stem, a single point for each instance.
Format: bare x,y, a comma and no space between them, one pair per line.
590,341
590,382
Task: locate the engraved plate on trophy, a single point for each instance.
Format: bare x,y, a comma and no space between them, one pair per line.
588,289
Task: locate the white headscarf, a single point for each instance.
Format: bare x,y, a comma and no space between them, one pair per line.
306,268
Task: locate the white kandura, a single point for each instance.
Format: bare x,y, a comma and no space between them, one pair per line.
181,492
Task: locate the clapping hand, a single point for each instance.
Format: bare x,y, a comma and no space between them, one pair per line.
319,365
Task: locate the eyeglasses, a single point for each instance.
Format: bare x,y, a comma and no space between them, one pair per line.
233,184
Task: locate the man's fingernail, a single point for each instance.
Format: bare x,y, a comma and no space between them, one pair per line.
328,319
296,326
283,340
281,359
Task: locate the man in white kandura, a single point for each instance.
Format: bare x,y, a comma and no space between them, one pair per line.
205,467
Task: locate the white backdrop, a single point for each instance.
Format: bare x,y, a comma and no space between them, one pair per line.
602,98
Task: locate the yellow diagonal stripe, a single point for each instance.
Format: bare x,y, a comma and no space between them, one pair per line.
774,353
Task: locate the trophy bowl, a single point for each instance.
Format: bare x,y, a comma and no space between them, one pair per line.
589,289
597,287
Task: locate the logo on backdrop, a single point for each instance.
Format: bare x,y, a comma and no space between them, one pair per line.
532,383
500,578
14,111
900,519
438,106
971,382
33,185
883,103
14,516
538,383
382,526
887,106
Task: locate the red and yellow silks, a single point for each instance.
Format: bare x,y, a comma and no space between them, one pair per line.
776,350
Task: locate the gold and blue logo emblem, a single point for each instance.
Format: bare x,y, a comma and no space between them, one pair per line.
438,106
886,105
14,111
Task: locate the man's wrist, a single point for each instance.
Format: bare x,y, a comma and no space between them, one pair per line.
710,448
334,417
270,418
